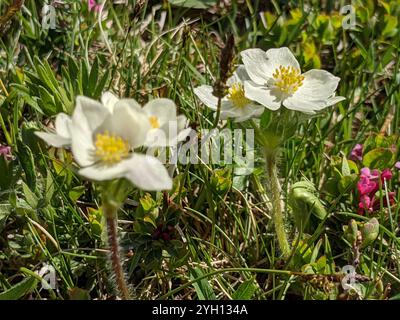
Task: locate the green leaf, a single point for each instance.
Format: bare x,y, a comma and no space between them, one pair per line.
245,291
49,187
78,294
195,4
84,78
266,118
203,289
93,77
20,289
101,84
30,197
391,24
379,158
25,157
345,167
47,104
76,192
347,183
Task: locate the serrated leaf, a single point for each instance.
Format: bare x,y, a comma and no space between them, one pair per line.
245,291
30,197
203,289
194,4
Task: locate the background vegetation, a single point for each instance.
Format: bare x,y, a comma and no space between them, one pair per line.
211,237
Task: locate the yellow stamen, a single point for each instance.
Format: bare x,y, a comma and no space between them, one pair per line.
154,122
236,95
111,149
288,79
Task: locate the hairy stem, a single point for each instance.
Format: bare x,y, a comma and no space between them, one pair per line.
277,208
110,212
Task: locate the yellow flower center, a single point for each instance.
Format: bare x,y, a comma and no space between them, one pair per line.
236,95
288,79
154,122
111,148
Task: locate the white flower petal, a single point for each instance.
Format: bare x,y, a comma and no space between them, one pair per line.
281,57
317,85
204,93
100,172
62,125
163,109
269,98
131,103
127,123
250,111
257,65
183,122
82,144
148,173
239,76
89,113
333,100
306,106
87,117
316,93
109,100
261,65
240,114
54,140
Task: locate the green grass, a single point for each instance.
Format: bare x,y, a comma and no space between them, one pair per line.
223,244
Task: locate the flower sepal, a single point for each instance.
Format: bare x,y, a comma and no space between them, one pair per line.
278,127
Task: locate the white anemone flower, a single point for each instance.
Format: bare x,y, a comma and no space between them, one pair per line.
104,140
276,80
235,104
167,129
62,136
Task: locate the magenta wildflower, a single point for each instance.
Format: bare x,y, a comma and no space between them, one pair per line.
5,151
93,5
368,185
357,153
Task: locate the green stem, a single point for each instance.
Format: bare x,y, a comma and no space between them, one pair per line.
110,212
277,208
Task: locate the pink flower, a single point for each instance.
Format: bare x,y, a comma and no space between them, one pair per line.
368,185
5,151
356,153
386,174
93,5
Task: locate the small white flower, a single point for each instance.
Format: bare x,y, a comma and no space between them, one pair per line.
104,137
167,129
62,136
234,105
276,80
